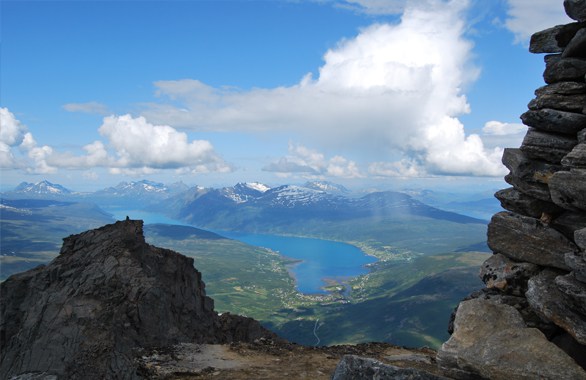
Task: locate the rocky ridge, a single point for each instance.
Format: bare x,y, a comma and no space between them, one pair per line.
530,320
107,295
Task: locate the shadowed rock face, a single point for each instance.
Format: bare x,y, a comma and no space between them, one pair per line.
107,294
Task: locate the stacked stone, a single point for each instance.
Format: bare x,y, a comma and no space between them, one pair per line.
530,321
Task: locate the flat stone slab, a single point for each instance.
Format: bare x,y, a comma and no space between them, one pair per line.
568,189
514,200
491,341
546,146
546,298
553,120
528,240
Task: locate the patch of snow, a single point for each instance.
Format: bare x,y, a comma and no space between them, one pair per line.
257,186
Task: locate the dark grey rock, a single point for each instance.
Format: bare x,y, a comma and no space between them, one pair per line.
562,88
577,46
353,367
574,290
568,189
567,32
491,341
545,297
575,9
514,200
506,275
528,240
528,176
577,262
564,70
568,223
105,295
577,157
549,147
545,41
580,238
568,103
582,136
550,120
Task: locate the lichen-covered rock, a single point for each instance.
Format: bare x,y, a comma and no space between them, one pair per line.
577,157
568,189
574,290
577,263
545,146
545,41
564,70
508,276
546,298
516,201
528,176
106,294
491,341
353,367
528,240
550,120
570,103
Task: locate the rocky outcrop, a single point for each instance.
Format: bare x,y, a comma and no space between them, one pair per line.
530,322
353,367
107,294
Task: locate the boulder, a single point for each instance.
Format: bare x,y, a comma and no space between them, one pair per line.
514,200
570,103
353,367
564,70
577,157
545,297
528,240
506,275
549,147
568,223
568,189
582,135
577,46
580,238
576,9
491,341
545,41
550,120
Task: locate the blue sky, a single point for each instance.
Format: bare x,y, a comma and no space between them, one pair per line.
368,93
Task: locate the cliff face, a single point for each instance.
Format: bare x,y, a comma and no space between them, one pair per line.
107,294
530,321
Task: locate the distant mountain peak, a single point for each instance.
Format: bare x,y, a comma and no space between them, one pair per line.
257,186
327,186
41,187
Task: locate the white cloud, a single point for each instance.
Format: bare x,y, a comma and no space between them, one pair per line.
89,107
391,89
525,17
498,128
11,135
133,146
311,163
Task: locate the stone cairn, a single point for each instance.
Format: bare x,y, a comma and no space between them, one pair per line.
530,320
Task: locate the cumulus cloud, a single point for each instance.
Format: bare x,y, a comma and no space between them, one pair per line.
525,17
11,134
498,128
89,107
135,146
311,163
132,146
392,89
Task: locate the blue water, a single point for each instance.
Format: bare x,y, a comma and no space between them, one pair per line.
320,259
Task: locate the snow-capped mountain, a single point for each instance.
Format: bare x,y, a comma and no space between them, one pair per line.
136,188
326,186
41,188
